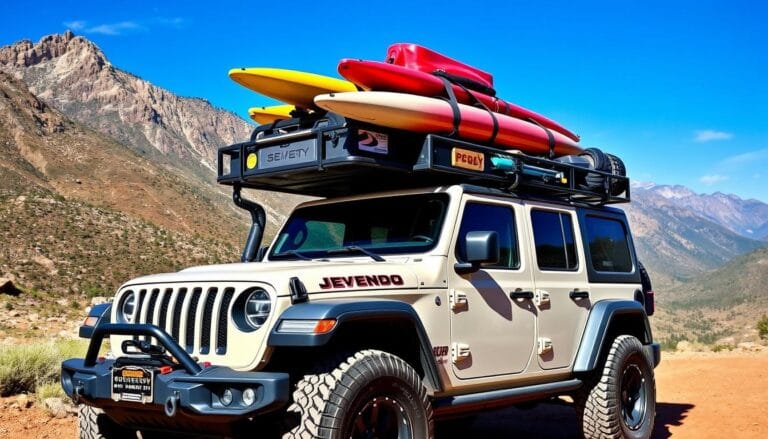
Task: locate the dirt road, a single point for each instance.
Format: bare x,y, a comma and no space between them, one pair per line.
699,396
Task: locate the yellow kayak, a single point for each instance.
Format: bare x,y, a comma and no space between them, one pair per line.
265,115
289,86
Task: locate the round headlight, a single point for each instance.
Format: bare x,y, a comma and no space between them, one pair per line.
128,307
257,308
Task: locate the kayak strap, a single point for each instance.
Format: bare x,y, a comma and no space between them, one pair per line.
474,102
454,106
466,82
550,136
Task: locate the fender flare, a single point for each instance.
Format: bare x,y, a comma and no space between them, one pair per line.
345,311
102,312
602,314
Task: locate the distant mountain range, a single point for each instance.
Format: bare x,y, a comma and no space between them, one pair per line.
748,218
120,153
680,234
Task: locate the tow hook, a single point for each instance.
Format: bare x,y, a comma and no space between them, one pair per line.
77,393
172,404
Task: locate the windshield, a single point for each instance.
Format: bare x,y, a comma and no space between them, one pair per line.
400,224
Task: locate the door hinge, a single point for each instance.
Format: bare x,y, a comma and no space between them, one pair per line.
460,353
458,301
541,298
544,345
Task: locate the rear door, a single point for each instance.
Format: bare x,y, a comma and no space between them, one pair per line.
561,287
491,333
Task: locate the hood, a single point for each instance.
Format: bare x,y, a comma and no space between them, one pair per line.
317,276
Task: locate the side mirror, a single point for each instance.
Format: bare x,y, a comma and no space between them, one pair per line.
482,247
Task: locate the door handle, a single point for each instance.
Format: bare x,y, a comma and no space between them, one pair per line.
578,295
520,295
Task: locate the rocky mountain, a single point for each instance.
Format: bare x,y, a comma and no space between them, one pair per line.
71,74
678,242
80,213
748,218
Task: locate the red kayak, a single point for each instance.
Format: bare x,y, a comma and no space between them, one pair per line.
379,76
410,112
415,57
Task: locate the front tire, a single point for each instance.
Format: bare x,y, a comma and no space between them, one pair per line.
621,402
370,394
94,424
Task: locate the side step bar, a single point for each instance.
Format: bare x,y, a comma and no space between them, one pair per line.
450,405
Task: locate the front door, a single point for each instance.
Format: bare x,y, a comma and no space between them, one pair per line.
492,333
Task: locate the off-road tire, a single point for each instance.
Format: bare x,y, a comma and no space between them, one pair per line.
336,404
94,424
598,161
617,168
603,407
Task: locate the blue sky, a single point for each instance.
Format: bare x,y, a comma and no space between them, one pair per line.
677,89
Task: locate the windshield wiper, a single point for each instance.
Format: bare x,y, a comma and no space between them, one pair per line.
299,255
356,249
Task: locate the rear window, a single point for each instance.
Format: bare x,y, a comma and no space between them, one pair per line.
553,236
608,245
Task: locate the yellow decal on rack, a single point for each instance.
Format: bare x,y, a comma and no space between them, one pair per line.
464,158
251,161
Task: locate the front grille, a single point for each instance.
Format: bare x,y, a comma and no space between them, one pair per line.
178,310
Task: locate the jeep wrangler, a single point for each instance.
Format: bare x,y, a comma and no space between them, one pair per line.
434,279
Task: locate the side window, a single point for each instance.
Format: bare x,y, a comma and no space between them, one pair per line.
608,245
553,236
488,217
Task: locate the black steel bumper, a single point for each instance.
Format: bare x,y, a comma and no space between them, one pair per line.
188,396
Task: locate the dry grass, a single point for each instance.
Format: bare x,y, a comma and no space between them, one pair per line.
31,367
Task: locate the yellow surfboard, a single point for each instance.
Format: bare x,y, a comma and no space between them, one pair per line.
289,86
265,115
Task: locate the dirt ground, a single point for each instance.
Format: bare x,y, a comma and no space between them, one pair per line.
700,395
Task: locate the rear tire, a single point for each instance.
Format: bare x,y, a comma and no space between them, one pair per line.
371,392
620,402
93,423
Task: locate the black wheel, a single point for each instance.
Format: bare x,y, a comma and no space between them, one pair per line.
620,402
372,394
94,424
617,168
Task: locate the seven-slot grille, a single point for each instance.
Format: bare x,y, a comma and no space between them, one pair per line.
197,318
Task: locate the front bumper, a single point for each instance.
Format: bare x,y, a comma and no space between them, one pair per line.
188,397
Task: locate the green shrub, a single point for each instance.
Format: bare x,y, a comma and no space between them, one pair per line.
25,367
49,390
762,326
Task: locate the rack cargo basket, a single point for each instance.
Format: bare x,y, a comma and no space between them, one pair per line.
328,156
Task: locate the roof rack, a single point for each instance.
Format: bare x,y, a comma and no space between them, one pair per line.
328,155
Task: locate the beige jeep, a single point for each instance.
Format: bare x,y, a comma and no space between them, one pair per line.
377,312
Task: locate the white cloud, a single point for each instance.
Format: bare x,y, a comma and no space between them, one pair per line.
124,27
113,28
711,135
709,180
749,157
75,25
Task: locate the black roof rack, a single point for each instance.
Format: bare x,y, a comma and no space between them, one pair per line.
328,155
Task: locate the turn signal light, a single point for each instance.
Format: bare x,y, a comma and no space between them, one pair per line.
324,326
90,321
